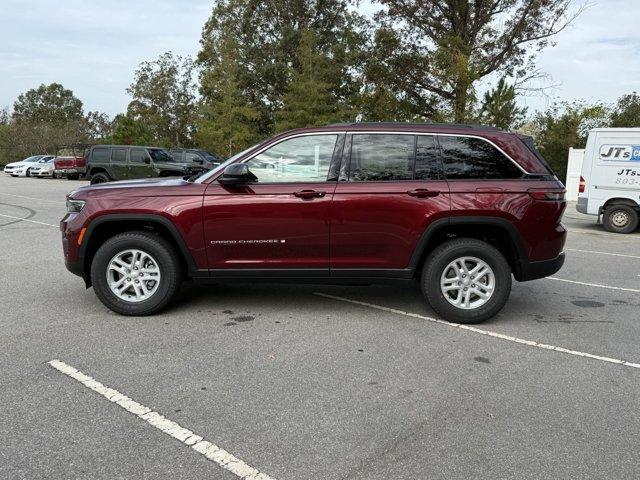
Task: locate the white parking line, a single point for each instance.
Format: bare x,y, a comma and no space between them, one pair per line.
27,220
187,437
601,253
501,336
597,285
32,198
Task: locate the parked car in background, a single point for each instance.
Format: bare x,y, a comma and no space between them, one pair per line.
459,208
106,163
196,158
43,168
610,178
71,167
23,168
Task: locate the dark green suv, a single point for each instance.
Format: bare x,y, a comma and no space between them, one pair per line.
123,162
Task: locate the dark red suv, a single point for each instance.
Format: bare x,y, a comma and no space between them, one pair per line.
460,208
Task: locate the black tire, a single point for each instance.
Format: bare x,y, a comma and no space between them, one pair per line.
27,173
73,176
100,178
620,219
54,175
166,258
435,265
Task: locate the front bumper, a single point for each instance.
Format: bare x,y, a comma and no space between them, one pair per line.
527,270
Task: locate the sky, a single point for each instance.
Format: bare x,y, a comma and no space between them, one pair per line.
94,46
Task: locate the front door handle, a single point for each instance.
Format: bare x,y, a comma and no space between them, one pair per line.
423,193
309,194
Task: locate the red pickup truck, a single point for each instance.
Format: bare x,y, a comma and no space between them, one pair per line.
71,167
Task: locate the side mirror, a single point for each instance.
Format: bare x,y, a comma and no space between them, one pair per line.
147,160
237,174
198,160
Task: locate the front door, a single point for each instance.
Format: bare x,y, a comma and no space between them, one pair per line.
281,221
119,163
139,163
391,189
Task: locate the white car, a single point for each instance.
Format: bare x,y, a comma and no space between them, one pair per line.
43,168
23,168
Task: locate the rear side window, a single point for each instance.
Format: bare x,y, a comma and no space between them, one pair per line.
381,157
473,158
100,155
137,155
119,155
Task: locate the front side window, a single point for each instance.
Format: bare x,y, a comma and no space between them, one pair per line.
177,155
159,155
473,158
191,157
137,155
299,159
381,157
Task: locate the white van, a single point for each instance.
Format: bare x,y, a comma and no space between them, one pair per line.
610,178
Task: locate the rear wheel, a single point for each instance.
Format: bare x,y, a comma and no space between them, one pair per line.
620,219
73,176
27,173
99,178
466,280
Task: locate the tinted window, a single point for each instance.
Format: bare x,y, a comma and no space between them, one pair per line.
192,157
381,157
137,155
159,155
428,166
100,155
119,155
300,159
474,158
177,155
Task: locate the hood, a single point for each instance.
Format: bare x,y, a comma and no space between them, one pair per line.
138,183
16,164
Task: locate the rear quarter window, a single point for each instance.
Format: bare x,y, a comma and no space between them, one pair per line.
474,158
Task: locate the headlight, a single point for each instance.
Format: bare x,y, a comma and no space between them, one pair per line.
74,206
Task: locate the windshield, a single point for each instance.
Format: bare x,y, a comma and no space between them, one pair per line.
204,175
159,155
35,158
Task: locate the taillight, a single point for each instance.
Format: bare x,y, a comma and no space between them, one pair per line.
583,185
546,195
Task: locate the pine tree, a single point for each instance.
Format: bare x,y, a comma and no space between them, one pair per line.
310,99
499,107
228,122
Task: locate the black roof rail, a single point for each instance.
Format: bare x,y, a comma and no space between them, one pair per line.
417,124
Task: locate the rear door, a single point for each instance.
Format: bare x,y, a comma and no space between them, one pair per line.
391,189
280,223
119,164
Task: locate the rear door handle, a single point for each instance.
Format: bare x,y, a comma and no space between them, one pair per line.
423,193
309,194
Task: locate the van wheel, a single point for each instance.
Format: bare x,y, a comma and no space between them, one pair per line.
135,273
620,219
99,178
466,280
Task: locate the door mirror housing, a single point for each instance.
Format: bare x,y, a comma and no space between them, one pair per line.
147,160
237,174
198,160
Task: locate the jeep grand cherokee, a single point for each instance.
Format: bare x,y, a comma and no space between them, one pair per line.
459,208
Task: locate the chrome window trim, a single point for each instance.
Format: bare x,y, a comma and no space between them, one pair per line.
354,132
377,132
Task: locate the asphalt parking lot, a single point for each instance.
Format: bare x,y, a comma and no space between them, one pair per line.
361,383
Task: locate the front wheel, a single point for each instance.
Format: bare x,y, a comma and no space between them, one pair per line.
466,280
620,219
135,273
